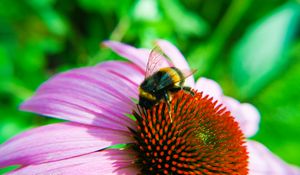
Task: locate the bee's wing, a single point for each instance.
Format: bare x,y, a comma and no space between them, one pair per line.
157,59
188,72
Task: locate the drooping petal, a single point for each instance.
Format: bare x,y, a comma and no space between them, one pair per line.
106,162
177,58
58,141
246,114
137,56
90,95
209,87
263,162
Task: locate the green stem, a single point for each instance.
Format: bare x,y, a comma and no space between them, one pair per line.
117,35
206,54
19,91
121,29
231,19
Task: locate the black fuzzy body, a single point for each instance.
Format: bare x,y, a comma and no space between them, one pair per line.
159,85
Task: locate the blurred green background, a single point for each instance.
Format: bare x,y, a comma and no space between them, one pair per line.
251,47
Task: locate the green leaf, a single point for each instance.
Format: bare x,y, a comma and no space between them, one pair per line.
54,22
262,53
184,21
41,3
6,67
279,106
8,169
100,6
146,10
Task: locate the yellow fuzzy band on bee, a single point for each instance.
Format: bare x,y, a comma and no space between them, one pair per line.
146,95
173,74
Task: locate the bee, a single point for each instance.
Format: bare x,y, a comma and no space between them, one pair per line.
161,80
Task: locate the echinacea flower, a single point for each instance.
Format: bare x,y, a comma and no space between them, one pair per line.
97,100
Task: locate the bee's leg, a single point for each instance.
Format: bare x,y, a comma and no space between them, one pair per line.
167,99
184,88
188,90
175,88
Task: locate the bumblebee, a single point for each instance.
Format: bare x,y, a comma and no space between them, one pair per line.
161,81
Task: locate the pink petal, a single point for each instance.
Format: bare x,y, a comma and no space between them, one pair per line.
209,87
90,95
140,56
246,114
137,56
133,74
177,58
251,117
106,162
58,141
263,162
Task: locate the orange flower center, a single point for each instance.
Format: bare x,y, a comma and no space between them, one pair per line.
201,138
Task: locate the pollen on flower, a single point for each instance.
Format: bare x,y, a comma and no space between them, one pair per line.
202,138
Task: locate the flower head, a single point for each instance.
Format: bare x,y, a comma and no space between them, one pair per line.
96,101
202,138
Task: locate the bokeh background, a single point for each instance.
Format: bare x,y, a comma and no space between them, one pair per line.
251,47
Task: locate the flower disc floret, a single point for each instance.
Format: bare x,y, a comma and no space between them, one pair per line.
201,138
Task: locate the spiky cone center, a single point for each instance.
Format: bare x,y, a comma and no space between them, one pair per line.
201,138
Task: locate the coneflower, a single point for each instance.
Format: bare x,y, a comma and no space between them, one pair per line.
204,137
